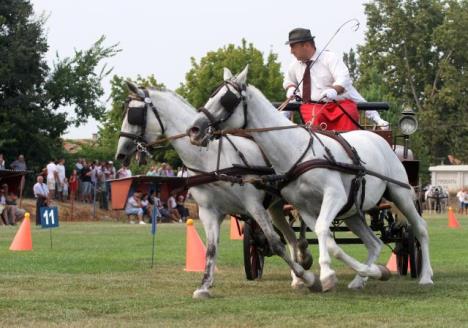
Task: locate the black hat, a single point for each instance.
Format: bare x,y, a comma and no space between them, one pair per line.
299,35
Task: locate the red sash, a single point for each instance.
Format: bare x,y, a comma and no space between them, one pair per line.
330,117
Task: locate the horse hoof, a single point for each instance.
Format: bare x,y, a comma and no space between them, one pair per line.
316,286
201,294
329,283
298,284
426,282
357,283
385,272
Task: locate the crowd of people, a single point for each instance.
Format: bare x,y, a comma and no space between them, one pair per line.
142,204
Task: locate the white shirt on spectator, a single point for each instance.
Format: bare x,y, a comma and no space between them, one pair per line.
40,189
132,203
171,202
51,168
61,172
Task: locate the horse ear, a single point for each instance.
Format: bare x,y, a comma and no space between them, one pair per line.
227,74
135,89
132,87
242,76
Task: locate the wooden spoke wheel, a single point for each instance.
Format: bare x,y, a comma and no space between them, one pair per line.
254,259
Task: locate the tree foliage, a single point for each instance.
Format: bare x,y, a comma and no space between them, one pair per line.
205,75
31,93
415,55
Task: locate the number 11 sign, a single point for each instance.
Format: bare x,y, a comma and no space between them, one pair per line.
49,217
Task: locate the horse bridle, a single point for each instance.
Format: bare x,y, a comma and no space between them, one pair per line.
229,101
139,139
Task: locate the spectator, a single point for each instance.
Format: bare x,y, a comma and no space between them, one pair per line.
134,207
183,211
164,170
153,171
14,213
65,189
124,172
145,205
3,206
172,207
60,178
161,212
461,199
19,164
111,168
73,184
102,176
86,183
42,195
2,162
52,178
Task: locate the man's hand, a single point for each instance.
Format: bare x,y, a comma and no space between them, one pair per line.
290,92
330,93
382,124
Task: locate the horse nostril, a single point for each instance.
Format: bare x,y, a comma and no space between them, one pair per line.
194,130
120,156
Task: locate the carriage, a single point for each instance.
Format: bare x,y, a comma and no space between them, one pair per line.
382,220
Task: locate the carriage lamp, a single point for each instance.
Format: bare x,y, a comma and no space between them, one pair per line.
408,123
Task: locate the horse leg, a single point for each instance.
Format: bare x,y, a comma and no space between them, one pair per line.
300,255
372,243
332,202
211,222
263,220
403,200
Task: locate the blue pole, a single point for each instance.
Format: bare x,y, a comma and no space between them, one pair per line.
154,218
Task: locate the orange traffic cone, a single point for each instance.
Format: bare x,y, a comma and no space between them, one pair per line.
391,264
195,257
452,220
23,240
236,230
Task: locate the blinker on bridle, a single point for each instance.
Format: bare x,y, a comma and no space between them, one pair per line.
140,119
229,101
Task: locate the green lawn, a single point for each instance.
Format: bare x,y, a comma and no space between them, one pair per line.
99,275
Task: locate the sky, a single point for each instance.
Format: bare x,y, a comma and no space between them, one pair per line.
160,37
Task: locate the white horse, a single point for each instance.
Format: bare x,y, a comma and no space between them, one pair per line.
436,199
321,193
172,116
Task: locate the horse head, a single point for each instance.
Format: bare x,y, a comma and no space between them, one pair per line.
138,131
222,109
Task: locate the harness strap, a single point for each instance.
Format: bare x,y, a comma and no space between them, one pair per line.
303,167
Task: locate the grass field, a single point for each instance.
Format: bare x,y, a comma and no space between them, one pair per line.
99,275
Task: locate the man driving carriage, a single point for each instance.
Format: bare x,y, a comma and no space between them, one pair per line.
321,81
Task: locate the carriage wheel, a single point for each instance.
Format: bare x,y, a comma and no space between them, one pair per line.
415,254
401,252
253,257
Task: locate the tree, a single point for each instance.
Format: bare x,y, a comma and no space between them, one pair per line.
417,50
31,94
206,75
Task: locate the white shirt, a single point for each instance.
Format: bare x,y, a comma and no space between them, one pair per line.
325,72
461,196
61,172
40,189
132,203
51,168
171,202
